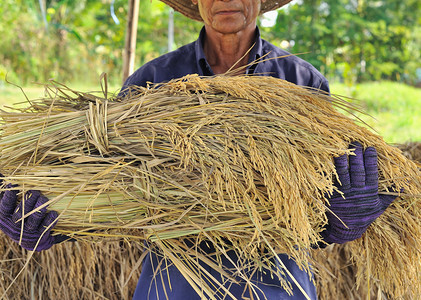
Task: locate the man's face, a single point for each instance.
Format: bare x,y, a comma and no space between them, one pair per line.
229,16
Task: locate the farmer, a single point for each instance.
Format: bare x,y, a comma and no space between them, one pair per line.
224,42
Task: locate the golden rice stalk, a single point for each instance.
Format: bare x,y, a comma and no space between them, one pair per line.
111,269
243,159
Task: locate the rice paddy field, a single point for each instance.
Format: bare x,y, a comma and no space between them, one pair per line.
394,109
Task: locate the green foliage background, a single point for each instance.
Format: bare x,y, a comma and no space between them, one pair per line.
81,39
355,41
349,41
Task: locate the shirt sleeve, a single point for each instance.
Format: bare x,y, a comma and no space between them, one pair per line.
139,78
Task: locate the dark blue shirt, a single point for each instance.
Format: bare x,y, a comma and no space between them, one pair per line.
190,59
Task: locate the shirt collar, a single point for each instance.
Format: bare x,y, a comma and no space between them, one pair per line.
203,65
255,53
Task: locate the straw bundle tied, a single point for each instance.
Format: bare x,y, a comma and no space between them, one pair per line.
244,163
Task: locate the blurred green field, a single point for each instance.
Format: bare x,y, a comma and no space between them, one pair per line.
392,109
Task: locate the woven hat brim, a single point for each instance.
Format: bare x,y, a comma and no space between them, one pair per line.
187,8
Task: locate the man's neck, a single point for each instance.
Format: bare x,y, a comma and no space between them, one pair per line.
228,51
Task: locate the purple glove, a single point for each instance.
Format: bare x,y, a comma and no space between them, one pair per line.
360,203
34,225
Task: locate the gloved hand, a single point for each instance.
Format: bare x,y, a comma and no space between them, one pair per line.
34,228
360,203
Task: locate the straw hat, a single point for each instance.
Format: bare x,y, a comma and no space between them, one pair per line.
187,8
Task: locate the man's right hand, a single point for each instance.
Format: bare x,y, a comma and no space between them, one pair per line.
34,235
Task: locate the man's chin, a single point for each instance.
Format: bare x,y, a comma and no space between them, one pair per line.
230,26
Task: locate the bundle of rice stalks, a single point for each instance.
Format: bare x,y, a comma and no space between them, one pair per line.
244,163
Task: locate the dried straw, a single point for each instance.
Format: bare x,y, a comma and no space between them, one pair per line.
241,159
411,150
77,270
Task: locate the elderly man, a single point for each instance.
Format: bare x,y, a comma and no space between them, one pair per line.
229,40
227,36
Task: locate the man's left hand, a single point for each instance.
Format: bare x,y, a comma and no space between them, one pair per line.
360,202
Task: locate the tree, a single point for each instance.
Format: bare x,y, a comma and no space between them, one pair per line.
354,40
82,39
